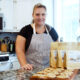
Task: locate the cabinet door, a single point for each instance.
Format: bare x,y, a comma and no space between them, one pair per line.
0,6
23,12
5,66
16,65
6,7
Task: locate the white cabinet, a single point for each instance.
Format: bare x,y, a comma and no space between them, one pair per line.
18,13
7,65
15,65
14,62
11,64
1,5
23,12
6,7
24,8
4,66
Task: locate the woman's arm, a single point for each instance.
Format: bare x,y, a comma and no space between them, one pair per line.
20,51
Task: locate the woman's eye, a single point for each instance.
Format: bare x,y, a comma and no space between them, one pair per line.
37,14
43,14
40,14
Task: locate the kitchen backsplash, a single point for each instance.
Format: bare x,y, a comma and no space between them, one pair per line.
11,35
7,42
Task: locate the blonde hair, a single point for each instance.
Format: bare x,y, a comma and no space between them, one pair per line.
39,5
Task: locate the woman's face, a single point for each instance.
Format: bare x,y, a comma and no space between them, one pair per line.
39,16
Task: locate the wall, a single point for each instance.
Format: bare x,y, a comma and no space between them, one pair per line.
50,11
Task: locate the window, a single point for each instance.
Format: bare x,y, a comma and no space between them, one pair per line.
67,19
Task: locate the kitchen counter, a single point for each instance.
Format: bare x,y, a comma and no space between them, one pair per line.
22,75
16,74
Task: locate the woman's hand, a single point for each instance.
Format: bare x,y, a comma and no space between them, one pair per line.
27,67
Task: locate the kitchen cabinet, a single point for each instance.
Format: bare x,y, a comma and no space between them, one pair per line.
18,13
1,6
6,66
23,12
6,8
11,64
15,65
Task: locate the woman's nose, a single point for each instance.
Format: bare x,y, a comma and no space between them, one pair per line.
40,16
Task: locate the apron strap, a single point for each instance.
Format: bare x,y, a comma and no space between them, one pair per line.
34,31
47,30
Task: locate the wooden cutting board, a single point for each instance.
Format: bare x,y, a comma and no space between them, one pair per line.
70,78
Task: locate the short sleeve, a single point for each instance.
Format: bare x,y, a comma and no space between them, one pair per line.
53,34
26,32
23,32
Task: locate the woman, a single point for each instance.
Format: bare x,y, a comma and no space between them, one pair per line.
34,40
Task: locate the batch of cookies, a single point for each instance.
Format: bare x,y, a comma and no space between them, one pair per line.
51,73
57,69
